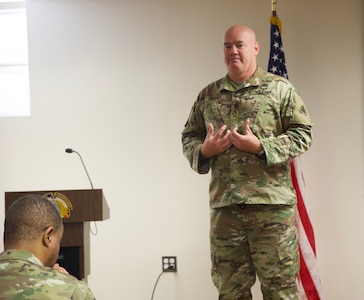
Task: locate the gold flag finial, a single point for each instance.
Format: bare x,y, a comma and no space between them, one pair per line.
274,7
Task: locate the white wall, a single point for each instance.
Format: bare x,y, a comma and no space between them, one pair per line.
115,80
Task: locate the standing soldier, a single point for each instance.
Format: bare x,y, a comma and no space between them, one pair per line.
246,127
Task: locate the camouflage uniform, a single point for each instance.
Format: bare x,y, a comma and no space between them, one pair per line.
241,181
23,276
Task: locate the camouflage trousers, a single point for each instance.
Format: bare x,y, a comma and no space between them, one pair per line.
254,240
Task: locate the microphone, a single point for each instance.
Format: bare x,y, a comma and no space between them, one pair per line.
69,150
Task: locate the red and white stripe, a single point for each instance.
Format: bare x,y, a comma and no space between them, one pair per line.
309,279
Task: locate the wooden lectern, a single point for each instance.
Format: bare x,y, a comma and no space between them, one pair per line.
78,208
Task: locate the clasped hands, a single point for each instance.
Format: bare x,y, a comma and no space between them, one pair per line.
224,138
60,269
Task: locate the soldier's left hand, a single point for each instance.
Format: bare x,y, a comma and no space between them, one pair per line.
247,142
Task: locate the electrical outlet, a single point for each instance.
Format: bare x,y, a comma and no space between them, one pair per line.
169,263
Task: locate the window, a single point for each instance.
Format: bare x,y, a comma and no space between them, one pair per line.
14,73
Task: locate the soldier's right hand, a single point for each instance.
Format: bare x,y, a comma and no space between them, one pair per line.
217,143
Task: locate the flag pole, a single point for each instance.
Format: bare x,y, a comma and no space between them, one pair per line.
274,17
274,8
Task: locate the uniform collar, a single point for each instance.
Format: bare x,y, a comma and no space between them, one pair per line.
255,80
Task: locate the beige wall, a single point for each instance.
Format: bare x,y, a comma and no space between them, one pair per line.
115,80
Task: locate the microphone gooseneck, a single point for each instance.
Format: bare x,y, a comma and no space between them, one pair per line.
69,150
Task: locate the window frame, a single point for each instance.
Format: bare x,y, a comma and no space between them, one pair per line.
14,70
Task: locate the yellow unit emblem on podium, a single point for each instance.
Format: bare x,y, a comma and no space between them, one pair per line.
64,204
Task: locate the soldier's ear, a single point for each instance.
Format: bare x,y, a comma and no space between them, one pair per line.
47,235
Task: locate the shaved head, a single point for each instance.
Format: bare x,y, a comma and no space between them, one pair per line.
28,217
247,31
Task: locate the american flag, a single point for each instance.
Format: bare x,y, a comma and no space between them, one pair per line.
308,279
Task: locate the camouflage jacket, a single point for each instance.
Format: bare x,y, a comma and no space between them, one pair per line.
23,277
278,117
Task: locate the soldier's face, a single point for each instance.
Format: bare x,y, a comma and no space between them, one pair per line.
240,51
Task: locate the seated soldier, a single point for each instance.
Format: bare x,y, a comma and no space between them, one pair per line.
33,230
